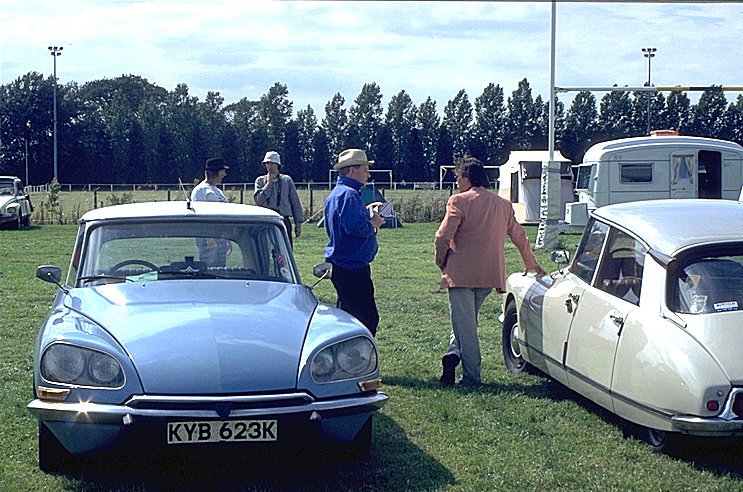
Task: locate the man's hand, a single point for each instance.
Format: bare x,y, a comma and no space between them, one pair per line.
377,220
539,270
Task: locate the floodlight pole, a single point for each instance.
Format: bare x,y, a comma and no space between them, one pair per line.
649,53
55,51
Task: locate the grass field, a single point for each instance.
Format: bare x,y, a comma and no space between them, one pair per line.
515,432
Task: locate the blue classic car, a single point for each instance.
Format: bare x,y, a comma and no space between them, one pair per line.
645,320
186,323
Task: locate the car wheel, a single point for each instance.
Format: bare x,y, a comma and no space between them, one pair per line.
18,221
511,350
358,449
53,457
662,441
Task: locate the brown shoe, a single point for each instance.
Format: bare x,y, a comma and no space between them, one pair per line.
450,363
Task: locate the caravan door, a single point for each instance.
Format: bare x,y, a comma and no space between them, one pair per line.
684,174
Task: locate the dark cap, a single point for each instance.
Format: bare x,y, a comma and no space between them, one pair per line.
216,164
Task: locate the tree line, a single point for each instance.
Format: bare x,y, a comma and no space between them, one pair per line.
128,130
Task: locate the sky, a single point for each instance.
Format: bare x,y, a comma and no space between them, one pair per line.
240,48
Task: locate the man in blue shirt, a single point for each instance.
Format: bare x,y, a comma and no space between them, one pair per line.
351,228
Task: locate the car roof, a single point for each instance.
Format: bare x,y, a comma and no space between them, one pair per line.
669,226
175,209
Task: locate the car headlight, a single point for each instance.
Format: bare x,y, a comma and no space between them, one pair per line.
68,364
349,359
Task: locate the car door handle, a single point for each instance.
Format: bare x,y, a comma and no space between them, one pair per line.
619,321
570,301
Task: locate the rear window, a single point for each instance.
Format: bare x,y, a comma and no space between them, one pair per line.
710,284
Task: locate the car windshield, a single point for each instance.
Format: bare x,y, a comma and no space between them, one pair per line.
710,284
185,249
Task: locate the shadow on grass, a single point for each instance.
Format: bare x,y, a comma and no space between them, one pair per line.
393,464
721,456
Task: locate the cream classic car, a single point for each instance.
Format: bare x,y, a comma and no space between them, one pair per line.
645,320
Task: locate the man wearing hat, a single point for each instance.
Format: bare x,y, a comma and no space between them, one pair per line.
277,192
208,191
351,228
213,251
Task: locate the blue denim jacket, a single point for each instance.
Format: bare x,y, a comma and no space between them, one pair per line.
353,242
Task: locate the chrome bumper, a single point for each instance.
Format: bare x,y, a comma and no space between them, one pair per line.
209,408
713,426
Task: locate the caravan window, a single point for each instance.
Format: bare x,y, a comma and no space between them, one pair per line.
583,180
641,172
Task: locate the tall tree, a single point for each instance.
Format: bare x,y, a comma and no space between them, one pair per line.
274,113
489,132
580,126
401,119
709,114
365,116
243,120
307,128
523,118
428,129
335,124
678,112
458,122
617,118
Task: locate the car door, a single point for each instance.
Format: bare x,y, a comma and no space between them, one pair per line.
599,316
562,300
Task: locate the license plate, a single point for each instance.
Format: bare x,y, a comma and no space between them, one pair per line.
222,431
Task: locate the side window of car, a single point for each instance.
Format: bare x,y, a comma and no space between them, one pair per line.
589,251
620,273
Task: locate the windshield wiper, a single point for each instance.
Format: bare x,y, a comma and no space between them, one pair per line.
88,278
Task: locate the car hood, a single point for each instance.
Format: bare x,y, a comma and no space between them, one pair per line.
205,336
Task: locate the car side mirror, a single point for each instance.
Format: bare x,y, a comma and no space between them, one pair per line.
49,273
322,271
561,257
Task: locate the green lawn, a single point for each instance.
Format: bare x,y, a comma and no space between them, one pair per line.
515,432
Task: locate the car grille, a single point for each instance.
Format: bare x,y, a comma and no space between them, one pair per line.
196,403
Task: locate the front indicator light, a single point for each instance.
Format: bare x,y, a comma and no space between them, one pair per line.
370,385
51,394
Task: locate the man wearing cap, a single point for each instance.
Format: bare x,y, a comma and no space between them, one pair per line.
208,191
277,192
351,228
213,251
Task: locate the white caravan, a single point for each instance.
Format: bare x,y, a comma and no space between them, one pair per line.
662,165
520,181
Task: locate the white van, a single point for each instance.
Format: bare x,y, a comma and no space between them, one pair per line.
662,165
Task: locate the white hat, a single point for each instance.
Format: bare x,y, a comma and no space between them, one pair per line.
272,156
351,157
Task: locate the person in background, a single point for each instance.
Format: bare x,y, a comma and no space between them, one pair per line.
469,250
213,251
208,190
352,245
277,192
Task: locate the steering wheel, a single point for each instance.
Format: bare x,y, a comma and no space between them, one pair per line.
124,263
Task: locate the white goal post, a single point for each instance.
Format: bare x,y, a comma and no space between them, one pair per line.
490,170
387,172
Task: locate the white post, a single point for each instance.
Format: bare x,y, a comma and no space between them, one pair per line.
549,203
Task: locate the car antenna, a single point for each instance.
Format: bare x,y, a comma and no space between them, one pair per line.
185,195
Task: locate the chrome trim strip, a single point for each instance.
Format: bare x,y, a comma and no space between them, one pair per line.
95,413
